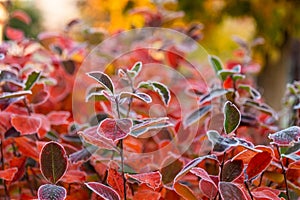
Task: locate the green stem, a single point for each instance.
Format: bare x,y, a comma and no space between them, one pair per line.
283,173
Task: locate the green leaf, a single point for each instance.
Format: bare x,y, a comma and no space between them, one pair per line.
7,95
216,63
261,107
135,70
103,79
53,161
232,117
219,143
95,93
224,73
213,94
32,79
196,115
170,171
149,124
293,149
252,91
141,96
160,88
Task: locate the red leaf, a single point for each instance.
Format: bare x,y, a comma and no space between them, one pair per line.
49,191
114,129
152,179
91,136
14,34
18,162
295,165
264,193
22,16
206,184
146,194
103,191
4,121
115,180
8,174
45,125
58,117
26,124
231,191
184,191
174,56
39,94
258,164
228,83
27,147
208,188
53,161
74,176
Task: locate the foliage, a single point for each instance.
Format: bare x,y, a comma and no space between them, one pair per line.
44,154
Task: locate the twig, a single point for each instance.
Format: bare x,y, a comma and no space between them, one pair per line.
248,189
2,162
221,173
284,173
121,150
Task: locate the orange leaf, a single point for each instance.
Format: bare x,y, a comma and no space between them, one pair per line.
258,164
184,191
27,147
19,163
115,180
58,117
8,174
26,124
152,179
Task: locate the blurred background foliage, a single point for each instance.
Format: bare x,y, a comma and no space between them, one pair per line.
277,21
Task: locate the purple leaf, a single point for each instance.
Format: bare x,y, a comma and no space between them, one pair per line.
231,191
54,192
103,191
232,170
287,136
53,161
103,79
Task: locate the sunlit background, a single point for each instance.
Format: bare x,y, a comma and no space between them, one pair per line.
278,24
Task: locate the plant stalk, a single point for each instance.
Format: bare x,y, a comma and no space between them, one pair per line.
283,173
248,189
121,150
